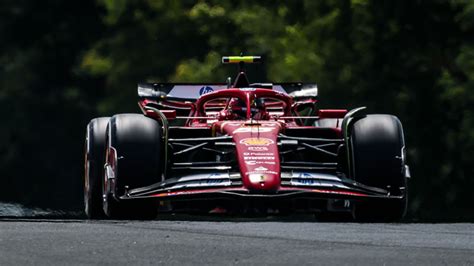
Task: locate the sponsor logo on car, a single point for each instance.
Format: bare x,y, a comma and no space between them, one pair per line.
259,162
205,89
253,129
261,172
247,89
257,141
259,158
254,148
304,182
258,153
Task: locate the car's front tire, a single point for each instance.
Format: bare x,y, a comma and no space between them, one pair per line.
94,167
134,158
377,146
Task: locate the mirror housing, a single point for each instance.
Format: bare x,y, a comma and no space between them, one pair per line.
305,92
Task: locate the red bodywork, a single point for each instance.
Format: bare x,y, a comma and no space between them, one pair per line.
257,133
256,141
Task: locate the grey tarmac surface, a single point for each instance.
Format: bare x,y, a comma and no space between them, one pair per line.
232,241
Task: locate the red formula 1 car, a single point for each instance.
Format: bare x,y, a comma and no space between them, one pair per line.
243,146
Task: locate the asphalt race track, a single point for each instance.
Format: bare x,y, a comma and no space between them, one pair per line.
223,241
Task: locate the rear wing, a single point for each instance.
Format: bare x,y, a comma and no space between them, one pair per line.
192,91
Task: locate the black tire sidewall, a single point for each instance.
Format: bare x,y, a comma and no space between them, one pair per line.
376,145
94,166
138,143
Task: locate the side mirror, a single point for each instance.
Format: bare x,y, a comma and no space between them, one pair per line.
305,92
149,92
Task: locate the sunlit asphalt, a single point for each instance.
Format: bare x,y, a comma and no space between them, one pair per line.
223,241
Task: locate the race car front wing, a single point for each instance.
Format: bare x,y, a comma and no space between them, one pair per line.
225,185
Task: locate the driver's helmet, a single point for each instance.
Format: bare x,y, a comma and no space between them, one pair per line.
259,104
258,109
238,107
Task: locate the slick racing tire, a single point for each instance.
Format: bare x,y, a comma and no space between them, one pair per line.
133,157
377,146
94,167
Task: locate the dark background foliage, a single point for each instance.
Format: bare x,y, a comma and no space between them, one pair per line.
63,63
